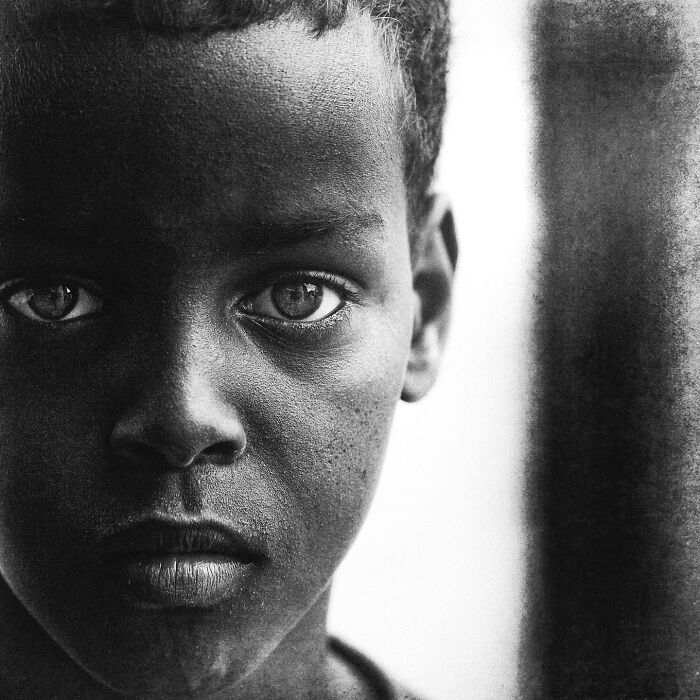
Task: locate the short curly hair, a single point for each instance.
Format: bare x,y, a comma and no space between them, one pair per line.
418,31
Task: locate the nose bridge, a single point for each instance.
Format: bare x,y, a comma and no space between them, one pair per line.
181,410
184,345
189,356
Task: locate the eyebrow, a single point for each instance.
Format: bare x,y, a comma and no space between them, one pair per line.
249,238
272,234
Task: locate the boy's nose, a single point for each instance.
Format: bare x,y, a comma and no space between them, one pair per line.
180,417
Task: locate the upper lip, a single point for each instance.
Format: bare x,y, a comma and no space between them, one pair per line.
156,536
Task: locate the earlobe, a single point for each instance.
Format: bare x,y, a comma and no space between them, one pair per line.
433,271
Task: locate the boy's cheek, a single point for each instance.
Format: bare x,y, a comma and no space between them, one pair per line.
323,441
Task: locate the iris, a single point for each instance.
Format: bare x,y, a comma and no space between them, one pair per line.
297,300
53,302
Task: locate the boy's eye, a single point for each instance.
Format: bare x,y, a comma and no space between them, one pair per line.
297,300
52,302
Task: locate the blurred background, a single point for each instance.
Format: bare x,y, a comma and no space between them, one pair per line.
432,589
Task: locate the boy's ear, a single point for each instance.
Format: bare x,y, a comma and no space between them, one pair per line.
434,260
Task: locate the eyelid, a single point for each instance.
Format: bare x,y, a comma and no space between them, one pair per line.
48,278
347,291
15,286
333,279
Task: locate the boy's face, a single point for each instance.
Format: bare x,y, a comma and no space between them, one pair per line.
207,314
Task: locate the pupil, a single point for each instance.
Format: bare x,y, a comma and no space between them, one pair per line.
297,300
52,303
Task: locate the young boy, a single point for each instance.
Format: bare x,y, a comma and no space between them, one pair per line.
220,270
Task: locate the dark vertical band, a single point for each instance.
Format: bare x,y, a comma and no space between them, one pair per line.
614,490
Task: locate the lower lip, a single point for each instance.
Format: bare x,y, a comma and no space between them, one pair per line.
184,580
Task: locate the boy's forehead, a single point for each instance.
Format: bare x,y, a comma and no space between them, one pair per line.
271,107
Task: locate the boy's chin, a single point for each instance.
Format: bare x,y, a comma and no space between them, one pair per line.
185,652
169,653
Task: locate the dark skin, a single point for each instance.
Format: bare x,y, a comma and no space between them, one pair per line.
163,202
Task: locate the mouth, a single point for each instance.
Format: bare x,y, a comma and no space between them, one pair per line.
161,563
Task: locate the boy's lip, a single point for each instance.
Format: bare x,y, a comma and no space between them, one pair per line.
181,536
170,563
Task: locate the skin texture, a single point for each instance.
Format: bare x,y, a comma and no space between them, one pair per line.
175,179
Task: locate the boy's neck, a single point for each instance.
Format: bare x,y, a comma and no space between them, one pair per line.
33,665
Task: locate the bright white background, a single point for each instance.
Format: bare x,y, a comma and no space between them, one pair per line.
432,588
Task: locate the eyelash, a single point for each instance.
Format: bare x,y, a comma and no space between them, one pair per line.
83,287
346,291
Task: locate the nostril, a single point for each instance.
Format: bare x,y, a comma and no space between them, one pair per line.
140,454
144,451
224,452
178,435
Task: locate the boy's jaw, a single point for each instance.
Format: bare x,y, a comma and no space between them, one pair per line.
171,174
